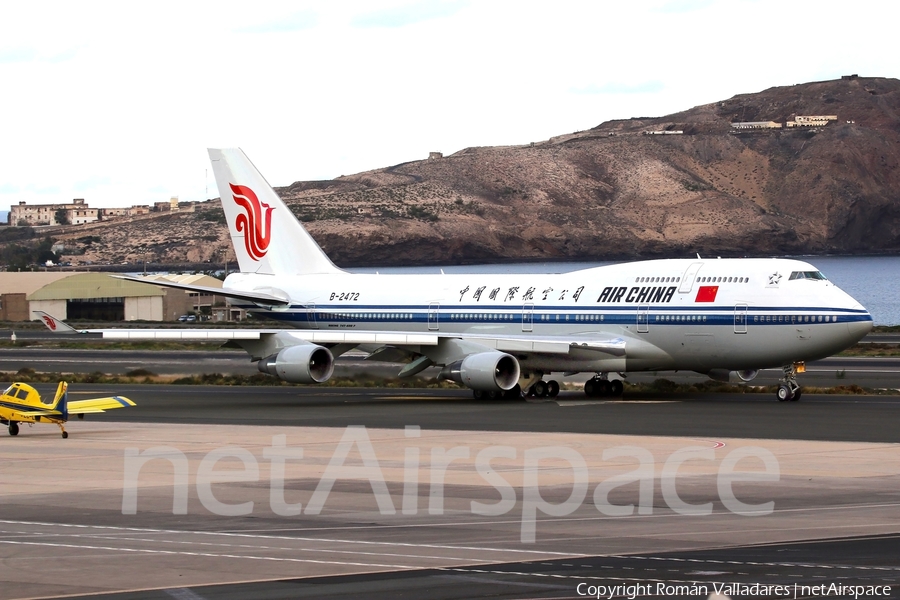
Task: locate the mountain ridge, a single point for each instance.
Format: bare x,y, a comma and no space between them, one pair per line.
609,192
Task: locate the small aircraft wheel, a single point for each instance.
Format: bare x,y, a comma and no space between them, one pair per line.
13,428
540,389
616,387
783,393
552,388
65,434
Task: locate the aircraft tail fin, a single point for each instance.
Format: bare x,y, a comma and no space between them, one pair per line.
61,401
53,324
266,236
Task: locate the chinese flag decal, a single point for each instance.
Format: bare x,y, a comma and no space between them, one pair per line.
707,293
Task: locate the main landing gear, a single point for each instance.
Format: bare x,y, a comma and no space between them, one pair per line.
544,389
788,388
601,386
13,428
514,393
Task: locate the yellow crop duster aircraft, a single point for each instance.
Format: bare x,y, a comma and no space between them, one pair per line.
21,403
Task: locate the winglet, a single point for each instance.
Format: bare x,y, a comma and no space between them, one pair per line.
55,325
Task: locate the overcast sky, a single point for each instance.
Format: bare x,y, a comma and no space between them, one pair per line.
117,102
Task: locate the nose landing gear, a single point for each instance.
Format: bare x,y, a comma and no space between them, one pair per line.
788,388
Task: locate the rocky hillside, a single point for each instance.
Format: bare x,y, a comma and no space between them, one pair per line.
609,192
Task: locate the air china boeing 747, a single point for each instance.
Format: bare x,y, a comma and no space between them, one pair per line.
502,334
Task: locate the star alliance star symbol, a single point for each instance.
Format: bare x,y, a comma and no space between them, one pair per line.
774,278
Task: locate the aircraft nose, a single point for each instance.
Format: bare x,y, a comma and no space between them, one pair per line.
862,327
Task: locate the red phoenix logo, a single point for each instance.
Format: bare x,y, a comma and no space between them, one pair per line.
50,322
255,223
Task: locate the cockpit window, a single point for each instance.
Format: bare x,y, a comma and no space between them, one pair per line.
808,275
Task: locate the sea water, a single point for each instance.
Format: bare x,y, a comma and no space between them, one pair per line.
873,280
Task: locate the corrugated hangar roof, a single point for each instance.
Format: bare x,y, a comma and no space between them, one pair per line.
93,285
28,282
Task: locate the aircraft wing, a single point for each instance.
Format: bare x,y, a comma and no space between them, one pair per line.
97,405
509,343
548,344
200,333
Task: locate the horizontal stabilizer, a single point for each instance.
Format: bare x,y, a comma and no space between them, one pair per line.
257,297
98,405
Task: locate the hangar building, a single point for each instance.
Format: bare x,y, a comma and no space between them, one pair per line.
97,297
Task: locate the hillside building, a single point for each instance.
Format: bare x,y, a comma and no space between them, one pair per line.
756,125
170,206
811,121
76,212
114,213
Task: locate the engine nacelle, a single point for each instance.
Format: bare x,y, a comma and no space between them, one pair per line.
733,376
485,371
304,363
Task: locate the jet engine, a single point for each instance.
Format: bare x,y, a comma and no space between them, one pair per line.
485,371
733,376
303,363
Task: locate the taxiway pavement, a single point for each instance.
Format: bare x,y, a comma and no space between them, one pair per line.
435,496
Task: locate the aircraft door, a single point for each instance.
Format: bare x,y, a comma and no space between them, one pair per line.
528,317
687,280
433,311
740,318
643,319
311,315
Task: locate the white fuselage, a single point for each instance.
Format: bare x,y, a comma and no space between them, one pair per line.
693,314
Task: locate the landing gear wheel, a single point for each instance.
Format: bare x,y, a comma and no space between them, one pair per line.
788,388
478,394
552,388
65,434
600,387
540,389
616,387
13,428
514,393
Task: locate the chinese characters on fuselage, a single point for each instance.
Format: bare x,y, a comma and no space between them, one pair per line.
609,295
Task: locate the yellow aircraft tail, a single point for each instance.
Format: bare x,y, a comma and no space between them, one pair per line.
61,401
